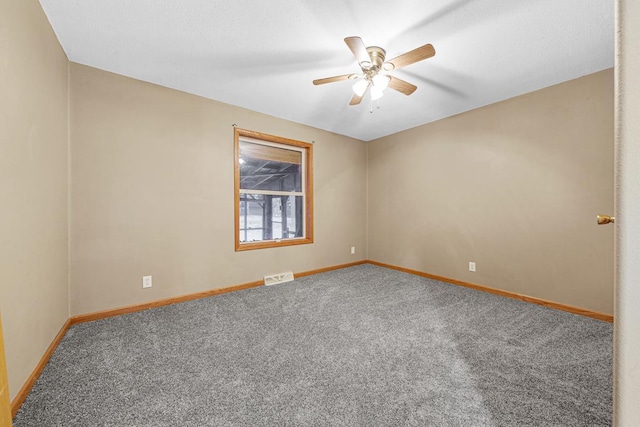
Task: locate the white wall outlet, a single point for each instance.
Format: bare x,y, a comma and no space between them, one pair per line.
353,250
472,266
146,282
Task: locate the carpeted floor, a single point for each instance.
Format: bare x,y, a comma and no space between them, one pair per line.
362,346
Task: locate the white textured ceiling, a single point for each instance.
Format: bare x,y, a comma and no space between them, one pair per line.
263,55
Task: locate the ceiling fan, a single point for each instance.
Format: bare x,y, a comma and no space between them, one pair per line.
374,69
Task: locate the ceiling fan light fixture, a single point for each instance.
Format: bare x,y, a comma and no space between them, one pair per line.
376,93
381,81
361,87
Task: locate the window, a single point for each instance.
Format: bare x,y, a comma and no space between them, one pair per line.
273,191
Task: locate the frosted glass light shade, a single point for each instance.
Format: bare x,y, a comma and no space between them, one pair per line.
360,87
380,81
376,92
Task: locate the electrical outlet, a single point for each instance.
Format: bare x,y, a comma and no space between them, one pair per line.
472,266
146,282
353,250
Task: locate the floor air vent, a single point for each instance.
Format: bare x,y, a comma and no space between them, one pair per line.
278,278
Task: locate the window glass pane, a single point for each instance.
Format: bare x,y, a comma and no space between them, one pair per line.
251,226
264,167
270,217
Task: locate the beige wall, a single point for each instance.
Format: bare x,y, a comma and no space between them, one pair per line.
33,186
5,411
627,326
152,194
514,186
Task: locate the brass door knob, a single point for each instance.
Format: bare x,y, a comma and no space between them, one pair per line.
606,219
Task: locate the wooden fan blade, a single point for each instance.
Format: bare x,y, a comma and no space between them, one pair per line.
401,86
358,49
415,55
334,79
357,99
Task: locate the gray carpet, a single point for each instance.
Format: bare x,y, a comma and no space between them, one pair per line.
362,346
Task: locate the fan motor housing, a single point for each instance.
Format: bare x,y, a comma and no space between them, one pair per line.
377,55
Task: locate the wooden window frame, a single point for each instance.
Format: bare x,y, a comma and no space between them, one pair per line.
308,191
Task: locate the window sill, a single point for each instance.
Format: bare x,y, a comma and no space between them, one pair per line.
272,244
